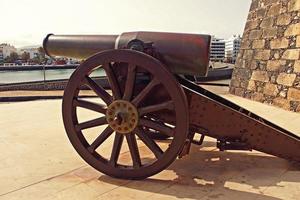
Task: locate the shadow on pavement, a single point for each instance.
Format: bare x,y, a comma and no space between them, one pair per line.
218,175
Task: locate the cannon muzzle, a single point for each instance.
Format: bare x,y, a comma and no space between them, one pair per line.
181,53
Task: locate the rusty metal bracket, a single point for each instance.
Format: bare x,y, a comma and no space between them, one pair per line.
224,145
200,142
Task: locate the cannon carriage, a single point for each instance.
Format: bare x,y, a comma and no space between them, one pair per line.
148,97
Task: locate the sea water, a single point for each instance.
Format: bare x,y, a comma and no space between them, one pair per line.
7,77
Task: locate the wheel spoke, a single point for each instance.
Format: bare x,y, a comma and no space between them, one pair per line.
129,82
90,124
137,100
116,149
112,81
90,106
134,150
159,127
100,139
153,108
149,143
100,91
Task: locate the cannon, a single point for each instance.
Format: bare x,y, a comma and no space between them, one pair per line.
147,96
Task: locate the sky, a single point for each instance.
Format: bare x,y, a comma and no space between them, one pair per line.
27,22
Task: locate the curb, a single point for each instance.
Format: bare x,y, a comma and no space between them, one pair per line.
32,98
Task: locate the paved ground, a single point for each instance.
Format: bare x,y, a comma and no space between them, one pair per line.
37,162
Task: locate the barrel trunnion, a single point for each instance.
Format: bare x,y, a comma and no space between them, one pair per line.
150,98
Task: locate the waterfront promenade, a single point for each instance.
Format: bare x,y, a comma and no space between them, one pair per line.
38,162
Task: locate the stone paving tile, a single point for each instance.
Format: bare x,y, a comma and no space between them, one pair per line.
34,140
287,187
44,188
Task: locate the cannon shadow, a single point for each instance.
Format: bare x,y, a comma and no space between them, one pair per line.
210,174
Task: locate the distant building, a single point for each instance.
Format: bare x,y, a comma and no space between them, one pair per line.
217,50
33,51
1,56
232,48
6,50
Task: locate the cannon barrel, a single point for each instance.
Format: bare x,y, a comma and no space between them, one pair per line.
181,53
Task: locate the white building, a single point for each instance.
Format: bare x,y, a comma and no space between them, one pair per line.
232,48
6,50
217,50
33,51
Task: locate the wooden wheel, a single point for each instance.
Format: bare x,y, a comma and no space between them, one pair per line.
124,114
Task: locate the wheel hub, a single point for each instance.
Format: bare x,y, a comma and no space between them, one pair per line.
122,116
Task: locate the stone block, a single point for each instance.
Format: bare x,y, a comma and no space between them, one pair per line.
260,13
248,54
271,89
291,54
269,2
258,97
258,44
254,5
262,54
239,92
294,5
245,44
267,22
284,20
298,108
293,94
244,83
276,55
234,83
281,102
255,34
242,73
251,85
281,43
270,33
297,66
254,64
274,65
274,10
292,30
298,41
286,79
252,24
260,76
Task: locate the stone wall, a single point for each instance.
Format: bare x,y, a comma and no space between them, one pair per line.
268,66
36,86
